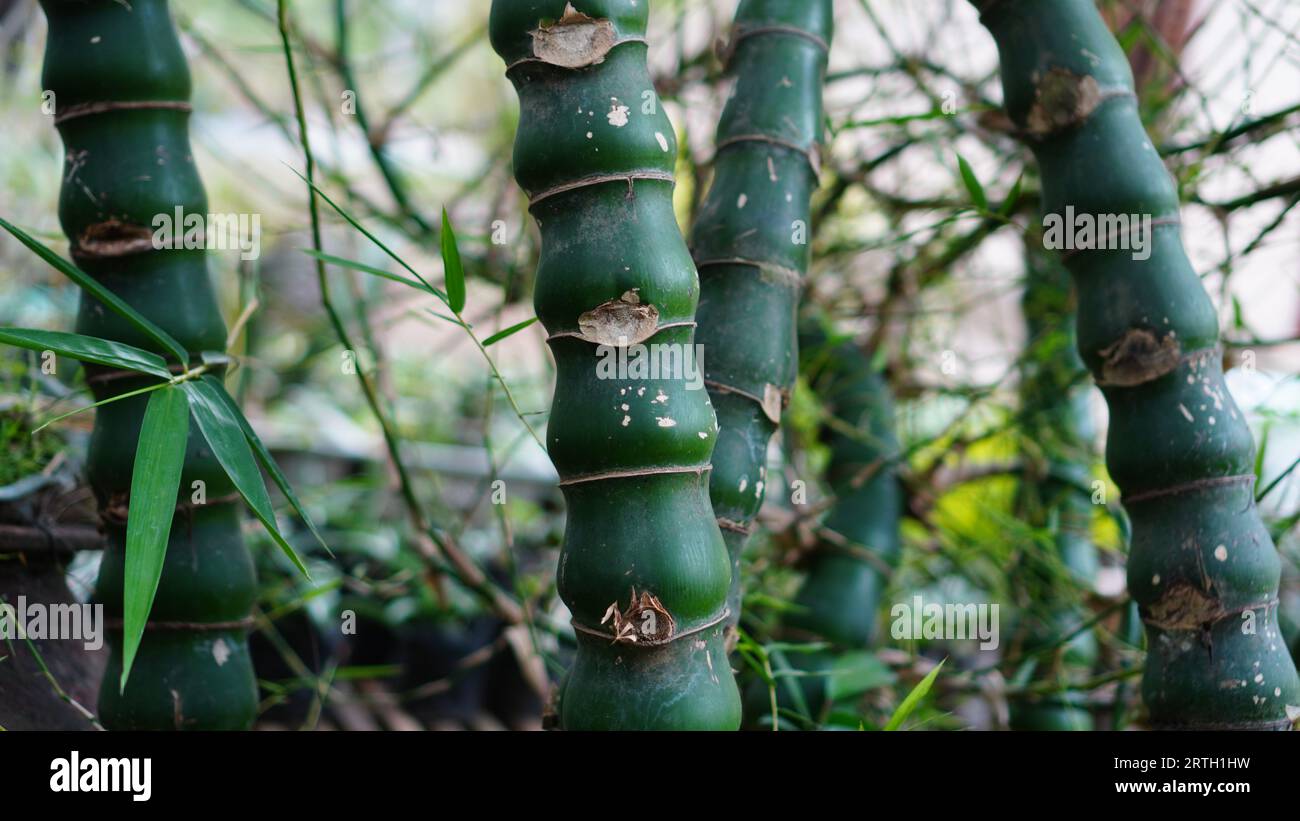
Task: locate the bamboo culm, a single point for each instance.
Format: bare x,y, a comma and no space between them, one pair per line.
643,568
858,542
121,90
751,244
1202,566
1055,493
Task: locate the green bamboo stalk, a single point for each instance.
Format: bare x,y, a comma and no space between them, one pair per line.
859,542
1202,566
751,245
643,568
1055,493
122,93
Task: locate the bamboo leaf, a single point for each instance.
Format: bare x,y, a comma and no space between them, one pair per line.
265,458
357,225
972,184
855,673
792,687
111,300
226,437
372,270
453,270
87,349
511,331
159,459
913,700
453,320
1013,198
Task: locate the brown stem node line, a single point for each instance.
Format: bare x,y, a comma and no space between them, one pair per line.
617,43
1189,487
1111,239
790,275
90,109
742,33
601,179
195,626
699,470
115,512
721,388
811,154
644,642
686,323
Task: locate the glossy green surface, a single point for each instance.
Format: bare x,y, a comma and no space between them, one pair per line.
751,242
596,154
1202,566
121,90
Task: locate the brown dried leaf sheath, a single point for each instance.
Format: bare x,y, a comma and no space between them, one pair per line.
575,41
774,401
114,238
1139,357
1184,607
1064,100
645,620
620,322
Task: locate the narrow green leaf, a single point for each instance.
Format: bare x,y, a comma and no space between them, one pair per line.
1013,198
370,269
453,320
913,700
353,222
1260,452
972,184
226,437
879,358
87,349
159,459
265,458
855,673
111,300
511,331
791,687
42,426
452,267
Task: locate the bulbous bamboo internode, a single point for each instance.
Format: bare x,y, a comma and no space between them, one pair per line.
1202,566
122,92
643,569
751,242
860,545
1054,494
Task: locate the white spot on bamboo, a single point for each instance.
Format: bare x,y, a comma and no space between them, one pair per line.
617,115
